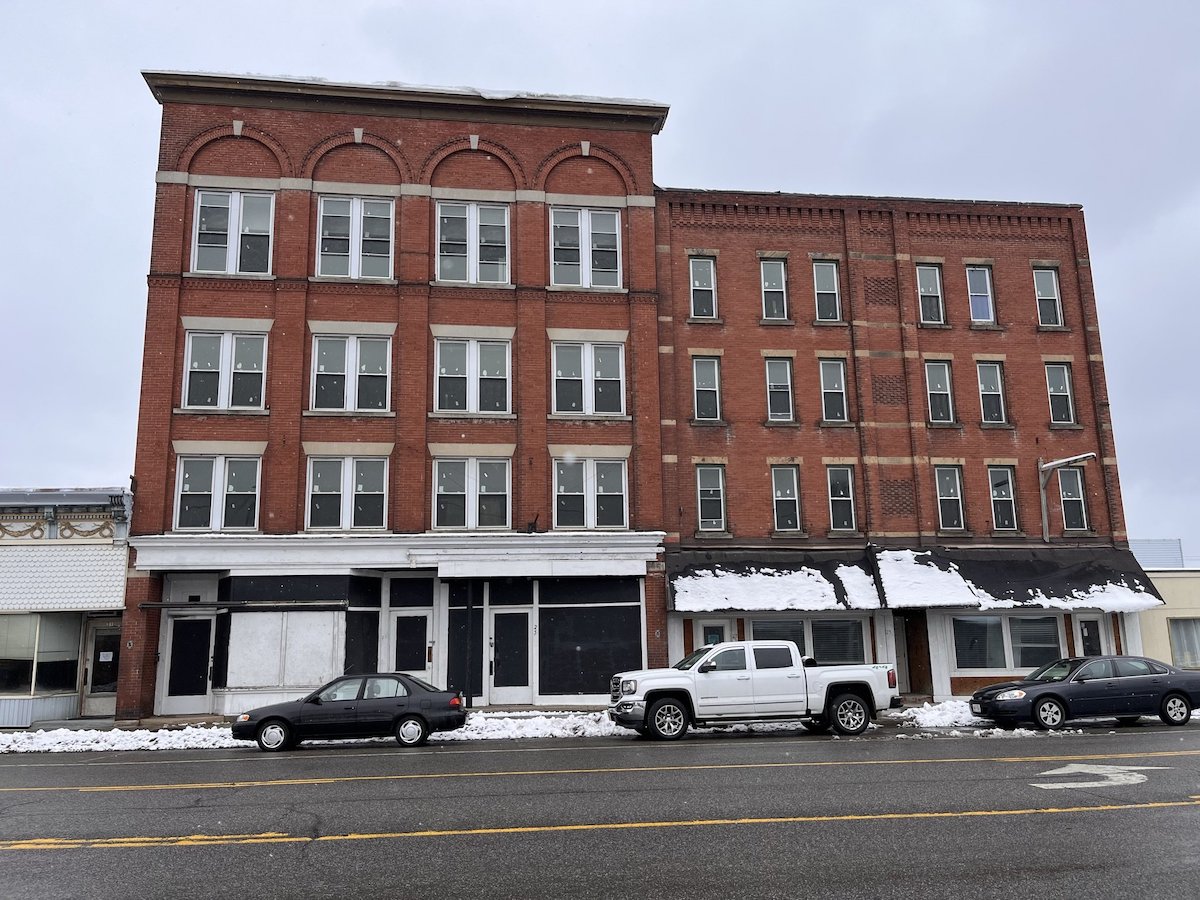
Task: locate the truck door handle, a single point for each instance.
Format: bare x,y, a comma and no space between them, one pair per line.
743,678
794,675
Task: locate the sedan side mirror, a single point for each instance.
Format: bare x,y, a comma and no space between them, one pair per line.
315,699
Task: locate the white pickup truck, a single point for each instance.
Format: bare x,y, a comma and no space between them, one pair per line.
751,681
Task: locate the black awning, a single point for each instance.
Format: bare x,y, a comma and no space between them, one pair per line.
1100,578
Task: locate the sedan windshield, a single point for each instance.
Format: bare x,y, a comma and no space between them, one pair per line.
1055,671
691,659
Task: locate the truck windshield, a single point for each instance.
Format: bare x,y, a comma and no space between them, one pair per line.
691,659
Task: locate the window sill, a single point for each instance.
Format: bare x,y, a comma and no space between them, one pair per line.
1012,533
589,417
785,535
465,416
366,529
781,423
1063,328
483,285
1080,533
349,413
578,288
953,533
1065,426
708,423
214,411
941,426
248,276
693,320
987,326
844,534
185,531
345,279
713,535
775,322
935,325
830,323
826,424
997,426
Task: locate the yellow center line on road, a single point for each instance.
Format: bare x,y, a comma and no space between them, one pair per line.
275,837
614,770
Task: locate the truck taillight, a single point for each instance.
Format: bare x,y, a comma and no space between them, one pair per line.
891,678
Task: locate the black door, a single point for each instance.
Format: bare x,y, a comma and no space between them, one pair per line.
511,652
459,663
190,647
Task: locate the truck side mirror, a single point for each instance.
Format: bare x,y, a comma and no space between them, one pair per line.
808,662
708,666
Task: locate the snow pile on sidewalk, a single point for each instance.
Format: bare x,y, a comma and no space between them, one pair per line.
949,714
480,727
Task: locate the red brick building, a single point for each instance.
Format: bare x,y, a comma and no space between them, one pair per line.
440,382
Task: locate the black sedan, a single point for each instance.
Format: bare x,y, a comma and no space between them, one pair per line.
355,706
1124,687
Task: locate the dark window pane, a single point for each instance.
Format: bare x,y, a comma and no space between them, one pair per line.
239,510
247,389
372,392
610,510
837,641
702,304
452,393
412,642
203,388
580,648
493,394
362,642
608,396
325,510
493,510
568,395
570,510
195,510
368,510
451,510
255,253
787,515
331,392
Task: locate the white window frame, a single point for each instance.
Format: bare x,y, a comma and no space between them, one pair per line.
760,623
715,525
711,264
218,491
473,376
583,223
715,363
949,493
988,295
778,387
1183,632
948,393
998,393
826,365
791,478
473,242
1051,393
782,291
587,353
940,295
1067,474
472,494
225,368
352,373
347,494
356,237
849,470
1006,635
1011,499
591,493
1056,297
818,266
233,237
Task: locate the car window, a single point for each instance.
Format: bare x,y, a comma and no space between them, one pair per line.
1128,667
691,659
421,683
341,690
1098,668
383,689
730,660
772,657
1157,668
1055,671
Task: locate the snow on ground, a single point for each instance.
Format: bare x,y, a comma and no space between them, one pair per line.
949,714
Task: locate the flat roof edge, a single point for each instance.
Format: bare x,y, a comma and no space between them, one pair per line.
668,192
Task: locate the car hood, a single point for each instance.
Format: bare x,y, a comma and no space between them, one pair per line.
992,690
638,674
288,709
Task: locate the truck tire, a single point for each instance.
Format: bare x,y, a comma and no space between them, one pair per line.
667,719
849,714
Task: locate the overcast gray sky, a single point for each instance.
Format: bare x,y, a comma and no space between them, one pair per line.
1095,103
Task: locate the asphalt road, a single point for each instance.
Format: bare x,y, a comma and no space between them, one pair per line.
715,815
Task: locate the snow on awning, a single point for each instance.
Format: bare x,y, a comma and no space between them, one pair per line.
808,582
1103,579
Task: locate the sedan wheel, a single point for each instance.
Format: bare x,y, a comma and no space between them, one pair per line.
850,714
1049,714
411,731
668,720
1175,710
273,735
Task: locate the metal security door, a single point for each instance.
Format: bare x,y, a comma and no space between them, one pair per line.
509,658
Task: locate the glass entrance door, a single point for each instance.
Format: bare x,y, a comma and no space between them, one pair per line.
103,656
509,657
189,665
1091,636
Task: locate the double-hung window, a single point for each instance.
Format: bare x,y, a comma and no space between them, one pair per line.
979,293
703,275
217,493
710,489
351,373
589,493
585,248
471,493
833,391
472,376
1004,507
825,283
1005,642
224,371
774,289
1070,491
347,492
779,390
949,493
1049,303
589,379
1062,403
472,243
937,383
706,372
841,498
232,232
355,237
991,391
786,493
929,292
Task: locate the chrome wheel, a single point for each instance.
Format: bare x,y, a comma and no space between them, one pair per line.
1049,713
273,736
850,714
1176,710
668,720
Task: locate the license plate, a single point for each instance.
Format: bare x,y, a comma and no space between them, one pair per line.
976,708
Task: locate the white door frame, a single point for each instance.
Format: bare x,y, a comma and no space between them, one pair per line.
182,590
730,626
501,695
1106,637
